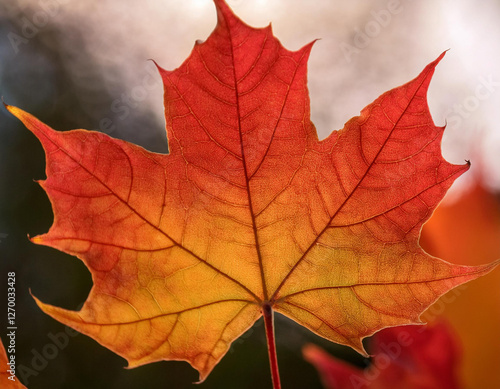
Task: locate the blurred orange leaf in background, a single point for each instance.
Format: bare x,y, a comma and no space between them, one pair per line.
467,230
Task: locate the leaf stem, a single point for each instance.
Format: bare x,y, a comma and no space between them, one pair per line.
271,344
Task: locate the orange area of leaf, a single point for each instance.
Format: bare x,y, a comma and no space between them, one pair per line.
249,208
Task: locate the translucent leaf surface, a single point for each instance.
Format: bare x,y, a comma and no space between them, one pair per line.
249,208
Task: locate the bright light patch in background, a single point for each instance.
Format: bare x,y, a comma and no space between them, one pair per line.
365,49
474,34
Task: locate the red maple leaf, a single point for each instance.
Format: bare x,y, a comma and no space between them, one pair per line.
250,213
409,357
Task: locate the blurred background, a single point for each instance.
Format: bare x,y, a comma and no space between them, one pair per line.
77,64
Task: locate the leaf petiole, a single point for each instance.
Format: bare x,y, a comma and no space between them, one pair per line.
268,314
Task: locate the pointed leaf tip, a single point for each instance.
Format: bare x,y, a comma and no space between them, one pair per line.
434,63
30,121
224,12
36,239
223,7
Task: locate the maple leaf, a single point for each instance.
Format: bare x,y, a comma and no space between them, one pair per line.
410,357
249,213
8,380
